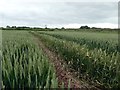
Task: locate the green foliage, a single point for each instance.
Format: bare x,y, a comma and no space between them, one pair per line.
108,42
94,64
24,65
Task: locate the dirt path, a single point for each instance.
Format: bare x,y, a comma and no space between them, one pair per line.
63,73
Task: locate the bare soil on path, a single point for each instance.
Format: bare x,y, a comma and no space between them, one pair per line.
63,73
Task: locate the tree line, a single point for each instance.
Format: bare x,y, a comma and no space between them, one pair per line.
52,29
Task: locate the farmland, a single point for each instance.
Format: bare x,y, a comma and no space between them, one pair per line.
90,39
24,65
93,55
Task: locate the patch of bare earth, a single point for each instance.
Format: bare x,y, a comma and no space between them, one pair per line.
63,73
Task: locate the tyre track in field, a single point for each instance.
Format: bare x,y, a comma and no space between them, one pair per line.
63,73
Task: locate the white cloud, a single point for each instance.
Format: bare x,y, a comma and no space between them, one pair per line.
58,13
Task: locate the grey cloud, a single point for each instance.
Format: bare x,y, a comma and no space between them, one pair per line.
61,13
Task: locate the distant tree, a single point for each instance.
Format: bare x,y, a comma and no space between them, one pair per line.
7,26
56,28
93,28
62,28
84,27
13,26
45,26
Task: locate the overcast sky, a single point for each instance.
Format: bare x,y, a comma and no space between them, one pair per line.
69,14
